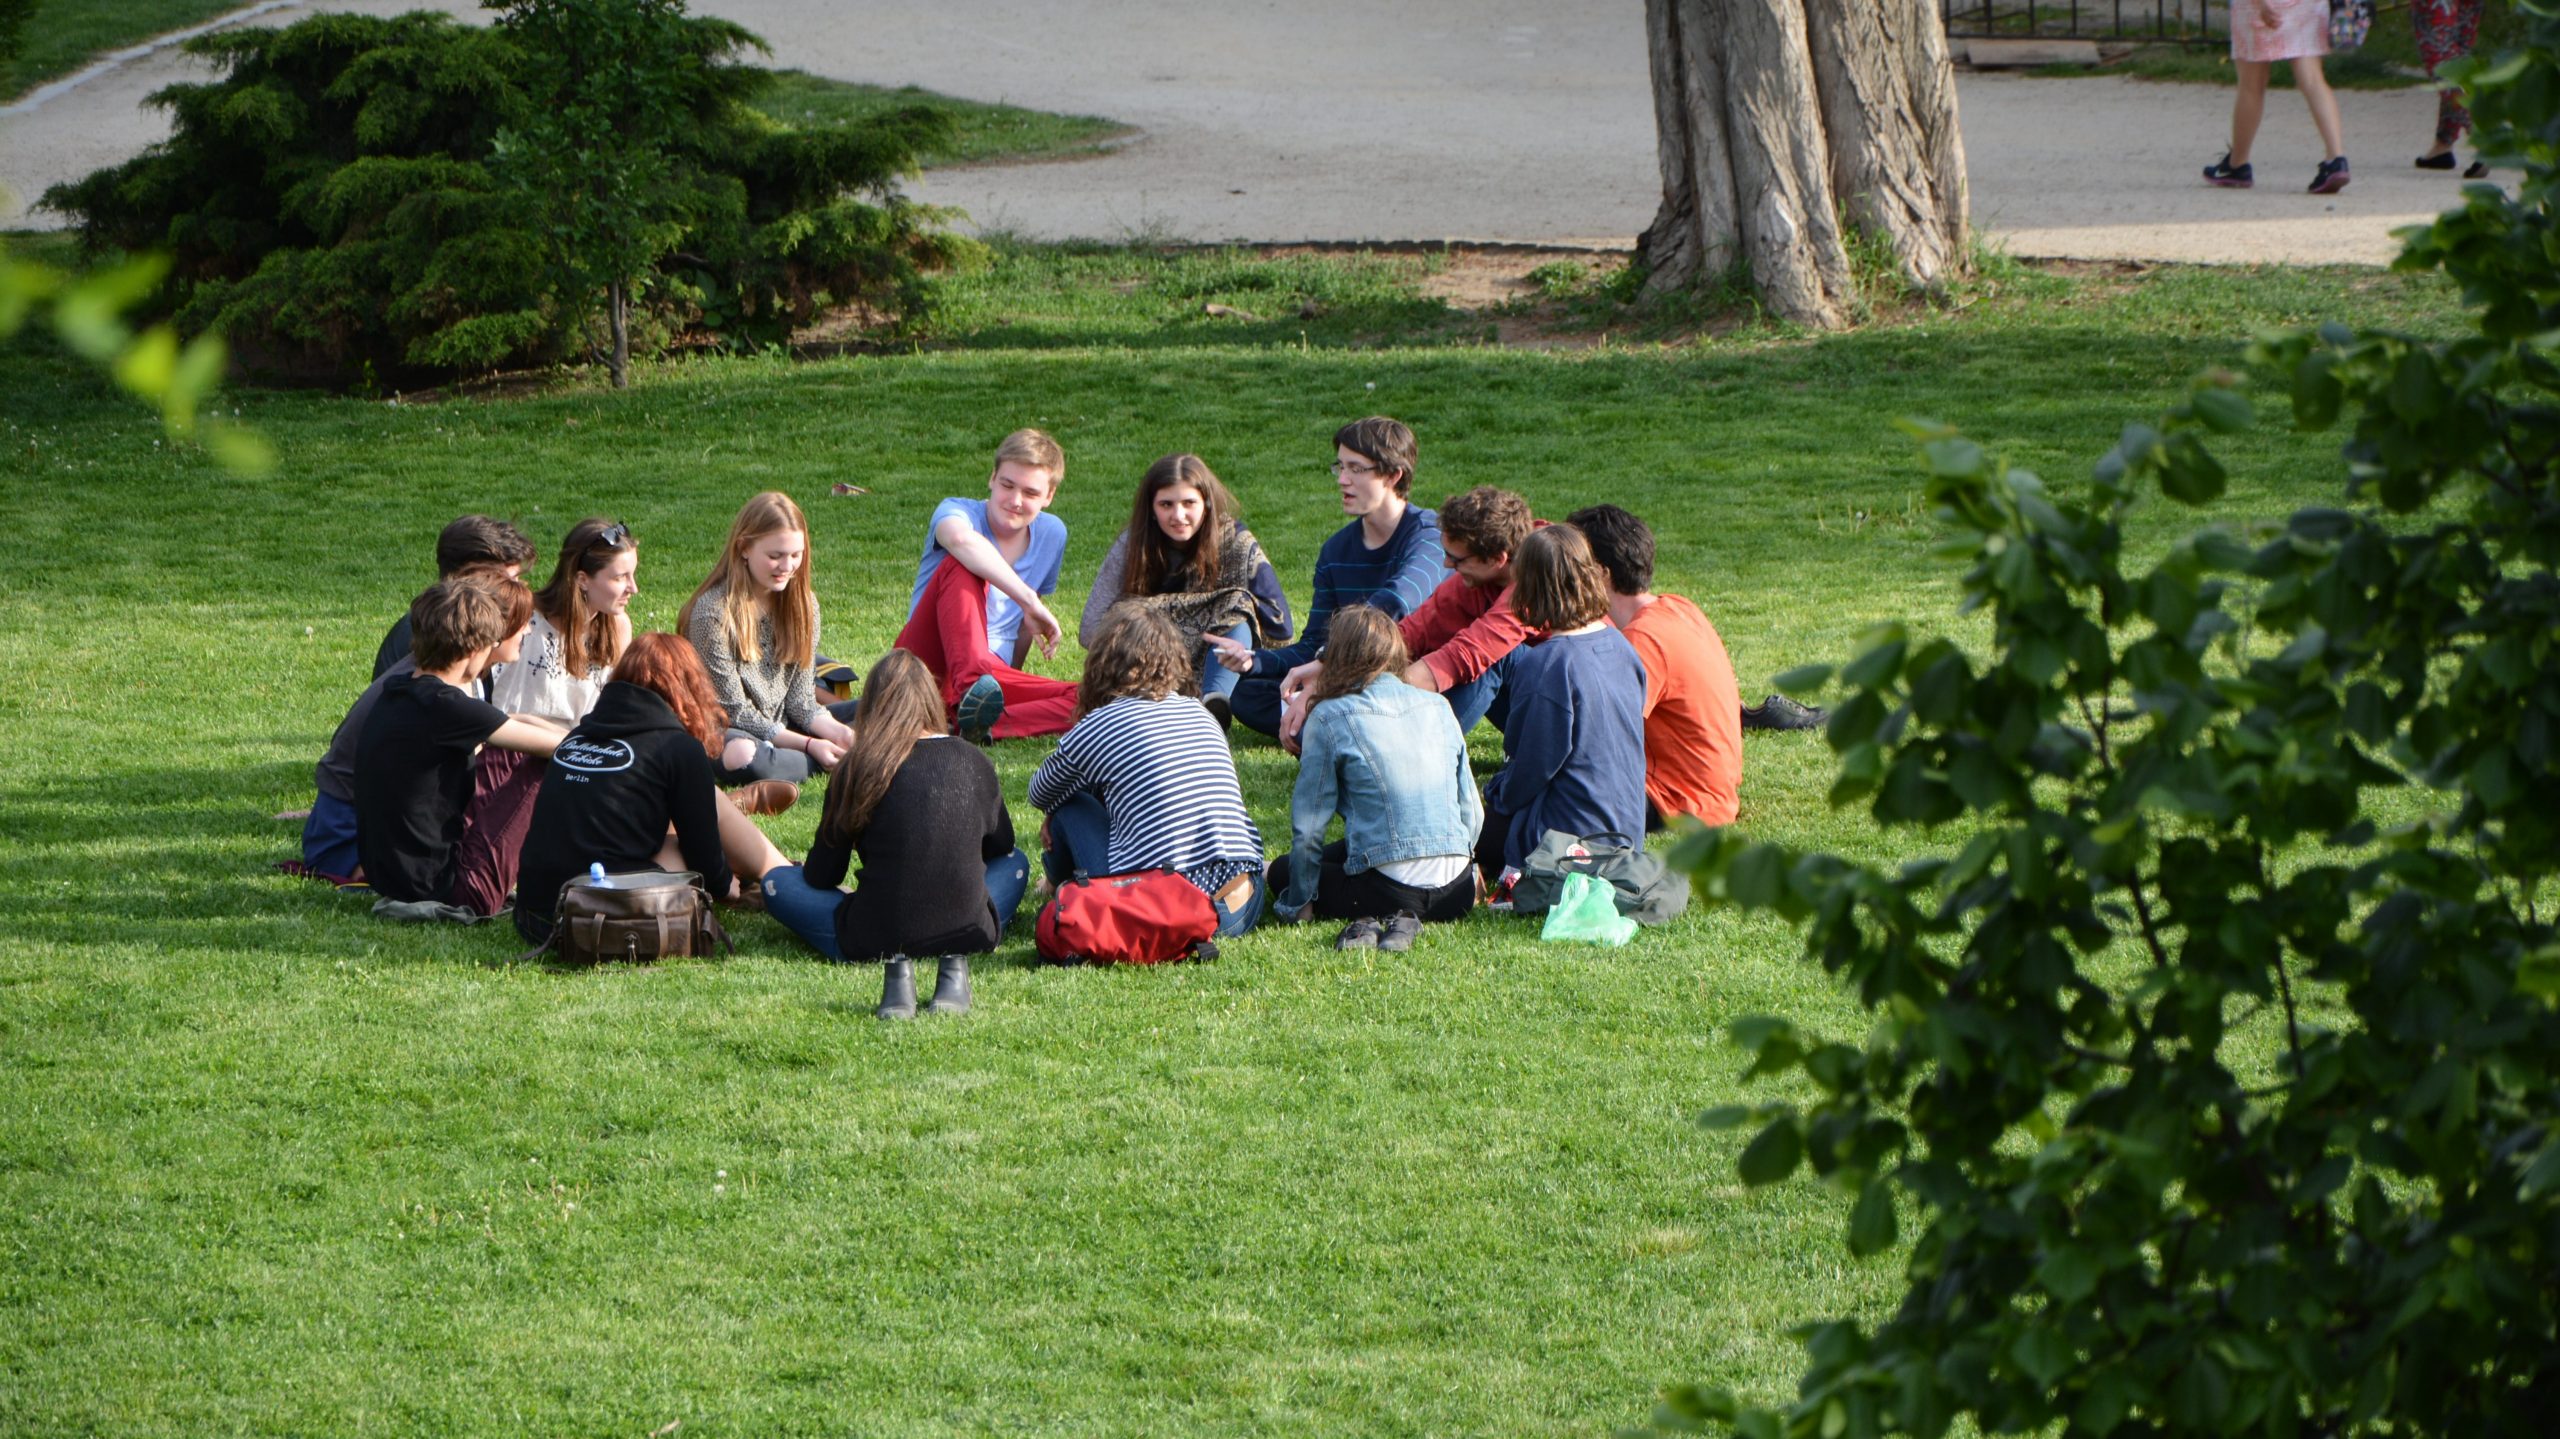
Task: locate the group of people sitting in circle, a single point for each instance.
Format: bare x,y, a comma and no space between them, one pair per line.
514,737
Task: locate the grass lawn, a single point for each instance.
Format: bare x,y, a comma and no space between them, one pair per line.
63,35
268,1167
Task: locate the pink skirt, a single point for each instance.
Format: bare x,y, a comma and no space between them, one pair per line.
2279,29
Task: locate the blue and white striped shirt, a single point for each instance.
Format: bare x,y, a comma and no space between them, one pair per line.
1163,770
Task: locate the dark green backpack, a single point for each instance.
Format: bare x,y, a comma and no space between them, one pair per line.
1648,891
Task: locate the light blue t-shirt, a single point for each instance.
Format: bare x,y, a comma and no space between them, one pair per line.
1038,567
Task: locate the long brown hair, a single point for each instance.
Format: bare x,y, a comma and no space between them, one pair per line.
794,611
587,637
1362,644
1155,560
900,705
670,668
1139,653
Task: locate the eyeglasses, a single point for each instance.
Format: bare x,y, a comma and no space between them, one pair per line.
612,538
1346,467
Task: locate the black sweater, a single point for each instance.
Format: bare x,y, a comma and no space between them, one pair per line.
924,859
613,786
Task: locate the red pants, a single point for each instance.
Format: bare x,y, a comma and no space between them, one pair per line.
948,631
503,786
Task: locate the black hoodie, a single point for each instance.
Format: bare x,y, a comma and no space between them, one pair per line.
617,781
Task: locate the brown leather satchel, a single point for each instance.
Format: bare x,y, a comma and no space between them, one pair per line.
637,917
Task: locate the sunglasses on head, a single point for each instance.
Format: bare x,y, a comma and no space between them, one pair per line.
613,537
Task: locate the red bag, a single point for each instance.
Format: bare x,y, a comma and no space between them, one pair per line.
1151,917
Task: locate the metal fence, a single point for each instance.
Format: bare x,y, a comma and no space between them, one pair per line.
2087,19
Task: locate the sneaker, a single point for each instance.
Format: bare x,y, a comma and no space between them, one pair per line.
979,709
1358,934
1780,712
1401,931
765,796
2227,175
2331,177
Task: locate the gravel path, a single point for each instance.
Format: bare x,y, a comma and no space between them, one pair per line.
1511,120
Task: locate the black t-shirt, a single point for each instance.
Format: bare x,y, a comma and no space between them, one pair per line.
413,782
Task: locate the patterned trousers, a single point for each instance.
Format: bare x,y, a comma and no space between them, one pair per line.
2447,30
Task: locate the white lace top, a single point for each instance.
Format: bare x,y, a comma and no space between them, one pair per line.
539,684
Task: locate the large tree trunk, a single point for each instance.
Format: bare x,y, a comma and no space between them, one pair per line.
1777,118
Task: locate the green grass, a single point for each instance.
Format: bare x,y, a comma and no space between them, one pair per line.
64,35
981,132
268,1167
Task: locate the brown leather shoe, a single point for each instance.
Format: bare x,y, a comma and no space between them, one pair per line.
765,796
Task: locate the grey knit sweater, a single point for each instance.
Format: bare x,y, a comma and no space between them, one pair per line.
760,697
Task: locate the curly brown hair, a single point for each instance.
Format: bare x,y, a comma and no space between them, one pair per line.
1139,653
1488,522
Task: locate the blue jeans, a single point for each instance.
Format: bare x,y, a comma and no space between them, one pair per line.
1483,698
1079,840
1080,843
1256,703
1217,679
810,912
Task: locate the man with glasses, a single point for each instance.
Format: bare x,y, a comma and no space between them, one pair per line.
1387,556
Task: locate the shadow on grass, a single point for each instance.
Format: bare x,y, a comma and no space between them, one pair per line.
181,864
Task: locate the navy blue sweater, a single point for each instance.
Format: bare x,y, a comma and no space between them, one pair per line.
1573,757
1396,576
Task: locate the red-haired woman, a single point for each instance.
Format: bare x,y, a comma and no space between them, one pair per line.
639,763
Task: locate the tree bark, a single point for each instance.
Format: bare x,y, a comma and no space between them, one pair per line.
618,311
1777,119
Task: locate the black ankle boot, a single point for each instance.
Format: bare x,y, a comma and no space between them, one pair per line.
950,986
897,988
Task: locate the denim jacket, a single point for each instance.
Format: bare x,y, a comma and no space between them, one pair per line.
1390,760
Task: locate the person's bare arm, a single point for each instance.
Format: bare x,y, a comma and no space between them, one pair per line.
979,556
528,736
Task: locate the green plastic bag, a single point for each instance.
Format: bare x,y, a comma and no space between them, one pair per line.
1587,909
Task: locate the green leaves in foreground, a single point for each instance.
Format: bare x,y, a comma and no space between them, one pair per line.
88,317
2217,1066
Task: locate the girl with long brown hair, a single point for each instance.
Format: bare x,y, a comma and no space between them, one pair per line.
755,622
1188,557
1144,778
925,816
632,787
1573,756
581,622
1390,760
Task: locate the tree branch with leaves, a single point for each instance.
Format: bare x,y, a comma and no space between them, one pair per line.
2309,771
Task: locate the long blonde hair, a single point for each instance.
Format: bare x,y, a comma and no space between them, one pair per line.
794,611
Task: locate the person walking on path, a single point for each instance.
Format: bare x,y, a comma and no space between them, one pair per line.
2297,32
2447,29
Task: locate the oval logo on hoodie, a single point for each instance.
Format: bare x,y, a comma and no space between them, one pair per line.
581,755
